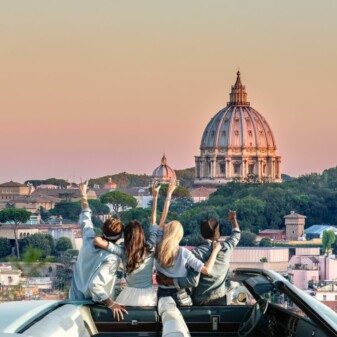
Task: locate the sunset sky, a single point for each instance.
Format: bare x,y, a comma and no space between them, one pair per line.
91,88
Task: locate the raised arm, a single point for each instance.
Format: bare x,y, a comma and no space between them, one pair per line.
155,193
231,242
85,216
109,246
207,268
172,186
83,186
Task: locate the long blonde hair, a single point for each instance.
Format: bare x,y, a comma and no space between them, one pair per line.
168,247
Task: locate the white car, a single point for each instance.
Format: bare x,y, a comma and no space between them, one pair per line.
261,303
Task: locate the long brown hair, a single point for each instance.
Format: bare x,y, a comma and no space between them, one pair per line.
135,246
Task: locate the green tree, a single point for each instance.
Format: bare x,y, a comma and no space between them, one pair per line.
180,205
31,263
98,208
179,192
38,241
5,247
250,213
63,244
248,239
67,209
328,239
15,216
119,201
266,242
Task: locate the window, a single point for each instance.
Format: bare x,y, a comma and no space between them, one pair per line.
222,167
251,168
237,168
324,297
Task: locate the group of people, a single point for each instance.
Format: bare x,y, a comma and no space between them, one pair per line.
184,277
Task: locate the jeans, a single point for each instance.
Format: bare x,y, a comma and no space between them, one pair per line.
182,297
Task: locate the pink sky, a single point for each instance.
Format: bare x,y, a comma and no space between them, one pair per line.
95,88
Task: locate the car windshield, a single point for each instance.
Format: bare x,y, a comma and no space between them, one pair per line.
295,299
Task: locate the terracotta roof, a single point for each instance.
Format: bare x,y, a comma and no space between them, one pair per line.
202,192
294,215
12,184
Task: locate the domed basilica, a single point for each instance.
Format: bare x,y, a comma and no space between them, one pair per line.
237,144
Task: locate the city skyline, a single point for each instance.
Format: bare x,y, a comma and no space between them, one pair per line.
100,88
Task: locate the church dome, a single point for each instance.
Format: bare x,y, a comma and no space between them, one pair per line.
237,144
163,173
238,127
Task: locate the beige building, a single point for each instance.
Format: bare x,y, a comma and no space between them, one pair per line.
8,276
33,202
275,258
6,231
237,144
12,190
63,194
294,226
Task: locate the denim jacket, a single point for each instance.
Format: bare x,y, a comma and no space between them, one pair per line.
210,287
95,269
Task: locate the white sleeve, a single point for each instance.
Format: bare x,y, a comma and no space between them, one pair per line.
101,279
192,261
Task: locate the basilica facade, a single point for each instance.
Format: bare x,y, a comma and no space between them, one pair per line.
237,144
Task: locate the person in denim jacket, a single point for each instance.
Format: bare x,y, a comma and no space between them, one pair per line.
95,269
209,289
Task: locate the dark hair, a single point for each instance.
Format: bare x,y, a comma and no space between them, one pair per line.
210,229
111,228
135,246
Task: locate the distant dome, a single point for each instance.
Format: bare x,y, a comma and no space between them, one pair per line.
238,126
110,184
237,143
163,173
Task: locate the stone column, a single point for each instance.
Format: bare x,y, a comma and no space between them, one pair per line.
278,168
227,168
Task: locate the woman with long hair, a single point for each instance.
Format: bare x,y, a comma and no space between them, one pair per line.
173,260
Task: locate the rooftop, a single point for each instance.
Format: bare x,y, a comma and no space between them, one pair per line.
318,229
12,184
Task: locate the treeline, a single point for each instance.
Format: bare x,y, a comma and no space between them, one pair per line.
186,178
263,205
51,181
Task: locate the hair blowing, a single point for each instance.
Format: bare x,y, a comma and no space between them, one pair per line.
135,246
167,249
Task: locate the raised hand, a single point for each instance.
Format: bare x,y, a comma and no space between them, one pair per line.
231,215
83,186
155,189
216,246
172,186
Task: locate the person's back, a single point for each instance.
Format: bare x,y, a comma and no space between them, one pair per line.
209,289
212,288
95,270
89,260
137,255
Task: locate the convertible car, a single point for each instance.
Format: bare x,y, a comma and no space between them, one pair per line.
259,303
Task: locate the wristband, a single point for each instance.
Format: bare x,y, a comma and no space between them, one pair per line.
111,305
